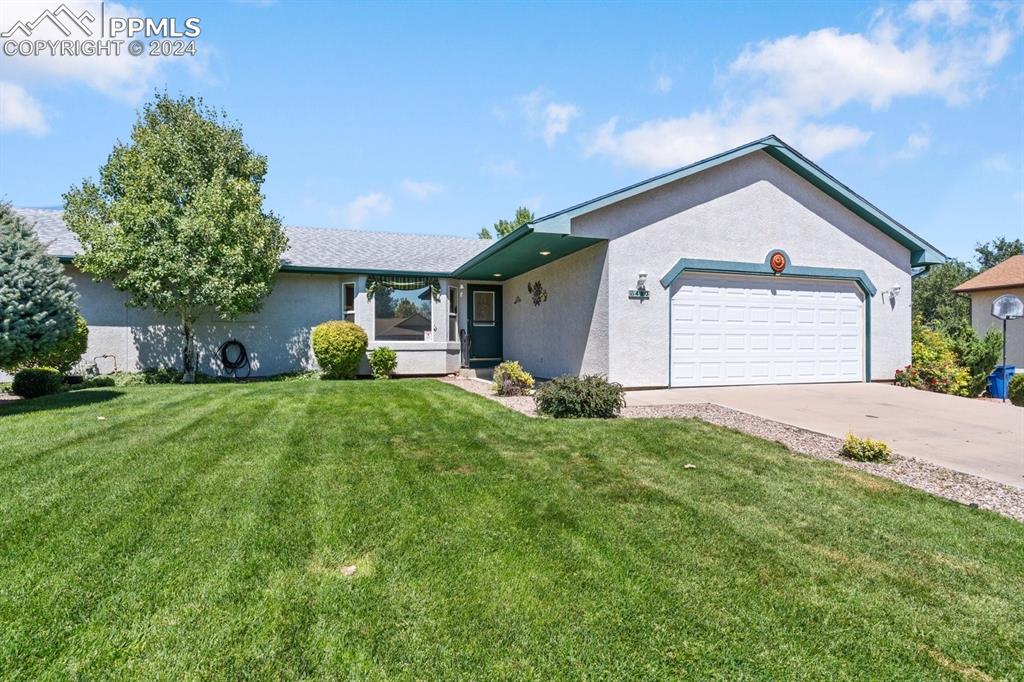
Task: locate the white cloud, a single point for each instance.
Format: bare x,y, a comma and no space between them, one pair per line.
916,144
360,209
663,84
548,117
793,86
123,77
421,190
19,111
677,141
953,11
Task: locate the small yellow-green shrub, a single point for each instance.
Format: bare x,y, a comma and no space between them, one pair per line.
383,362
865,449
339,346
511,379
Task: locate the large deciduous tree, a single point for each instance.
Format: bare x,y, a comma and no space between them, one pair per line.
933,300
176,218
37,300
996,251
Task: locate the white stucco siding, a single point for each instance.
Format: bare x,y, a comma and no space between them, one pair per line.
738,211
982,320
568,333
276,337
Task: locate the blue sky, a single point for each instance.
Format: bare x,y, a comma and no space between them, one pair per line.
442,118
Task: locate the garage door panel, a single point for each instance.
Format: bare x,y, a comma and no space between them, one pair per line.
784,331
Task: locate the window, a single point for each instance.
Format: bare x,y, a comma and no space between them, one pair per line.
483,308
403,315
453,313
348,301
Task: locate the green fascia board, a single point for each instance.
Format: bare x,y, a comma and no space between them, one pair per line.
764,269
922,253
316,270
498,246
511,257
309,269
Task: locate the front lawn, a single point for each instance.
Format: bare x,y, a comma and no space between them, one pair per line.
201,531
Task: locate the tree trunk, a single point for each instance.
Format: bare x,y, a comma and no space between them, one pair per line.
189,354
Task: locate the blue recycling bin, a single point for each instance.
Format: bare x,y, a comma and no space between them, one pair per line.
999,381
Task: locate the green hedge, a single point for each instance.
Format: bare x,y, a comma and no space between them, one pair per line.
383,362
1016,391
339,346
579,397
34,382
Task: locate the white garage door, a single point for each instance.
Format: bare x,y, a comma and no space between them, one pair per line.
733,330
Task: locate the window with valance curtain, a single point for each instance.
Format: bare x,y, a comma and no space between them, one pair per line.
402,306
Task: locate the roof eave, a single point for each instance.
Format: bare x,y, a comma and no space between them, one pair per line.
499,245
991,287
922,253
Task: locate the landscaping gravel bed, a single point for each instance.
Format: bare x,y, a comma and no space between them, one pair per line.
519,403
931,478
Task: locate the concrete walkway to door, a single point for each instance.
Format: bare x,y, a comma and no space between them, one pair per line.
978,437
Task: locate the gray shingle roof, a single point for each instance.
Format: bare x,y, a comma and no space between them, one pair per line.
315,247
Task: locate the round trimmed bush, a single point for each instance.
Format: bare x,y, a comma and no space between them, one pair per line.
383,362
1016,390
68,352
511,379
34,382
570,396
339,346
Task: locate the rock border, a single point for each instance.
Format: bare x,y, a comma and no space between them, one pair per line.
950,484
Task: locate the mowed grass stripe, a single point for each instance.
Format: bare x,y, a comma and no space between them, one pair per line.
487,544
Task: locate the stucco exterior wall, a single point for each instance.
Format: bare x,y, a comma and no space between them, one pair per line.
568,333
738,211
982,320
276,338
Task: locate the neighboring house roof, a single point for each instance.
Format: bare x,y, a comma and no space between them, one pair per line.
521,250
315,249
1008,274
412,326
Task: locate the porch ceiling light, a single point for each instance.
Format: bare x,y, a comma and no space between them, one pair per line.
545,253
497,274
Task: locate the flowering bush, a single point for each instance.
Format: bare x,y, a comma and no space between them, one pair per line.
934,365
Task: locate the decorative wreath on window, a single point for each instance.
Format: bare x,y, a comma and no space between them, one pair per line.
375,283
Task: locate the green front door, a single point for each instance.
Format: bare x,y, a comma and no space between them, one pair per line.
484,321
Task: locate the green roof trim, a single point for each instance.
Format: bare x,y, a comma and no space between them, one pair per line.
316,270
764,269
520,251
921,252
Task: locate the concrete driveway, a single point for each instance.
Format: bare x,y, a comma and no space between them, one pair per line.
978,437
